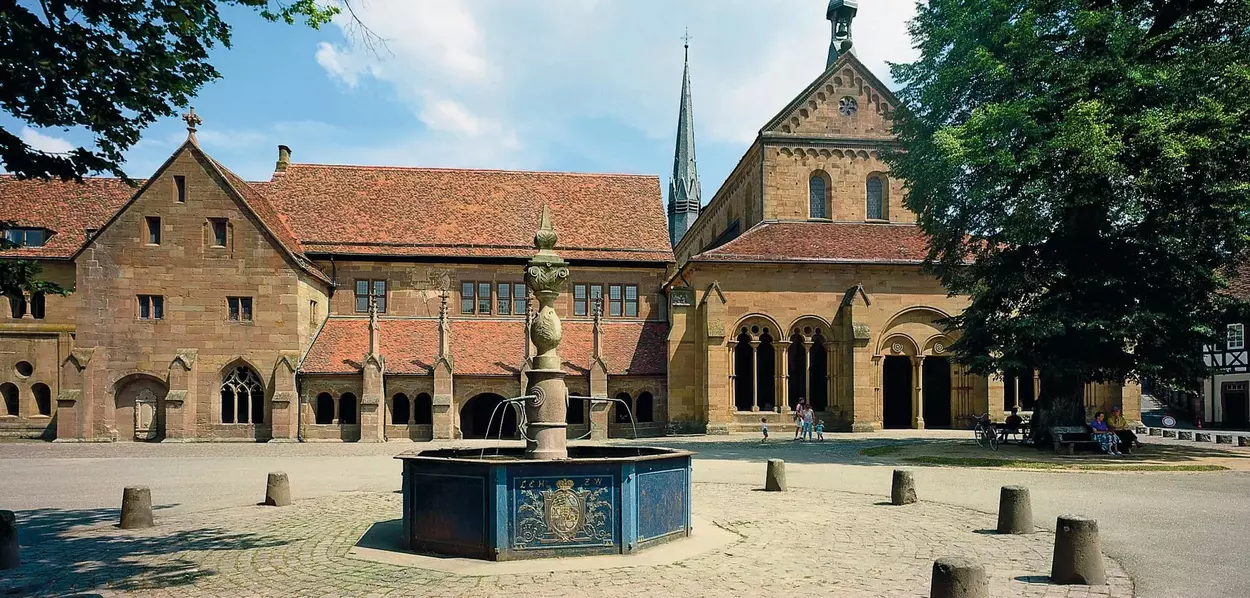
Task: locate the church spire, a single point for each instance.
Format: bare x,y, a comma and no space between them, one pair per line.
684,193
840,14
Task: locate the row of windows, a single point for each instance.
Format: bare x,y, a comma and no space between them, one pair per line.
508,298
220,230
404,411
238,309
818,187
12,406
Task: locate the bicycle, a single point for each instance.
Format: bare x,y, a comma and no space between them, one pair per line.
985,432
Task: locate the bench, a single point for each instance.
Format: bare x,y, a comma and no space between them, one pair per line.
1067,438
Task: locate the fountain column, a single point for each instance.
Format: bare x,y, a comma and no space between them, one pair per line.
546,275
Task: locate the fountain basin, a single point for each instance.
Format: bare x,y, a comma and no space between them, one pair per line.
500,506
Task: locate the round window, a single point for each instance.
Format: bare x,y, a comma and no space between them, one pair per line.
24,369
848,106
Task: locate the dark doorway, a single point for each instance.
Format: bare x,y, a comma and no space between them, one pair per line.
1009,392
1026,391
818,396
744,374
896,392
476,414
1236,414
798,370
937,392
766,376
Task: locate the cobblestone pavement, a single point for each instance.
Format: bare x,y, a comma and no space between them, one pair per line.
806,542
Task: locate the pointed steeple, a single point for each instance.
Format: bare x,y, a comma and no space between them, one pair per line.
684,192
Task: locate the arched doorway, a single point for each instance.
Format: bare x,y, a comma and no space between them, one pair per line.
476,415
744,374
936,379
139,408
818,396
896,392
797,356
766,376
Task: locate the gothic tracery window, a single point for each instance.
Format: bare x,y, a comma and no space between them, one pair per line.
242,397
848,106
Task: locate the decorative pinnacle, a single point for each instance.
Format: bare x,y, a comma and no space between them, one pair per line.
545,239
192,119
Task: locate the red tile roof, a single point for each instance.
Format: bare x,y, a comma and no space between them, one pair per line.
832,242
68,209
483,347
456,213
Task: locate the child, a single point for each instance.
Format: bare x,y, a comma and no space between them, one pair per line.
764,429
820,430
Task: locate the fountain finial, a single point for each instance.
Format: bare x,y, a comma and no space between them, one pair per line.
545,275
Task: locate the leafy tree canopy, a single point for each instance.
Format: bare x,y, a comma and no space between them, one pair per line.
111,67
1083,170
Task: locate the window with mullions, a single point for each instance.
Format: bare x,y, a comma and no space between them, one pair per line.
370,288
580,306
239,309
615,301
468,297
631,301
151,307
483,298
510,298
26,237
1236,337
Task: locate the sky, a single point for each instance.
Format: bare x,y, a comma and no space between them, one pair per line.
565,85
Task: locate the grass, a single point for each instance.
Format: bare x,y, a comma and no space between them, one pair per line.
880,451
1023,464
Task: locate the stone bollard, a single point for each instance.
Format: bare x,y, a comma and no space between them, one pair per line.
1015,511
9,557
957,577
277,490
903,490
136,507
775,478
1202,437
1078,556
1169,433
1184,435
1223,438
1243,441
1156,431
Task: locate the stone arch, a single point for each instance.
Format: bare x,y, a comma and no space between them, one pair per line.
10,395
938,345
43,398
807,325
622,415
423,409
475,417
349,409
323,411
757,320
918,323
898,344
877,196
644,407
139,406
401,409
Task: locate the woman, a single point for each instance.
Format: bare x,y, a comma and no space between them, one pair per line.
1105,437
798,418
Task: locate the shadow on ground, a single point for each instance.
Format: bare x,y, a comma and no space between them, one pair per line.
79,552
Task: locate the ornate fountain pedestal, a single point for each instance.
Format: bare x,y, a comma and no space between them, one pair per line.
546,499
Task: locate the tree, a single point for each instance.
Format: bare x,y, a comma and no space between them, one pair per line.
1082,168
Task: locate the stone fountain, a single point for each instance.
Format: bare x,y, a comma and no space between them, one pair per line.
545,499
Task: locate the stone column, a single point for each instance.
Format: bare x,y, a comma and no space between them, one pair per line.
918,399
733,376
373,394
783,349
809,381
877,406
546,274
755,375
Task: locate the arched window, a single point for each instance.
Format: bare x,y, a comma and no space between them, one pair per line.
765,373
43,398
423,410
744,373
644,410
325,408
876,199
622,414
242,395
401,409
17,305
9,391
36,306
817,192
347,408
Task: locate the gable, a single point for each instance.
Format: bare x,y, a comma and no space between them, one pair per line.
817,111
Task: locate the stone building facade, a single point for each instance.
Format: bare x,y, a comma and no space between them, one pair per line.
336,303
801,280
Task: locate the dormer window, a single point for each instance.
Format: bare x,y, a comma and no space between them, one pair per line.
27,237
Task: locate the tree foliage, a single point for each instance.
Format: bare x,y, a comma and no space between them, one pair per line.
1083,170
111,67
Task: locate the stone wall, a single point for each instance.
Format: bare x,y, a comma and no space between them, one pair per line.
31,352
789,168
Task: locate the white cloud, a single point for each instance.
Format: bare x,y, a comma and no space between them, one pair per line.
45,143
526,72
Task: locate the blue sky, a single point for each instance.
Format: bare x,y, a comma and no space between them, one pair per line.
573,85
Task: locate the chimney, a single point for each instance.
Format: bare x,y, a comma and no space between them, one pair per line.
284,158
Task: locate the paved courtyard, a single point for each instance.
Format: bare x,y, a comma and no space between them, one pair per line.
1173,533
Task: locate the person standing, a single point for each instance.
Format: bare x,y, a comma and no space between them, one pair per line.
820,430
809,417
764,429
798,418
